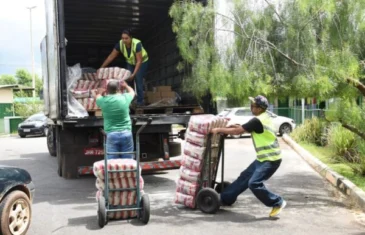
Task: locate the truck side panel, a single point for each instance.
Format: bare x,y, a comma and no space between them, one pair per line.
52,78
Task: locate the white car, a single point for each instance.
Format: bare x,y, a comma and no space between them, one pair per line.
243,114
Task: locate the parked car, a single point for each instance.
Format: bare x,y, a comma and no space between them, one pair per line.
16,197
34,125
243,114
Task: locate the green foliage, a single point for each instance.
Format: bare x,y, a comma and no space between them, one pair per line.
7,80
25,78
343,142
27,109
311,131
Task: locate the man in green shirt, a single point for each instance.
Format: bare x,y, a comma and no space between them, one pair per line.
117,122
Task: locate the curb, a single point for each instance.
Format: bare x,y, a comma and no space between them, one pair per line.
8,135
337,180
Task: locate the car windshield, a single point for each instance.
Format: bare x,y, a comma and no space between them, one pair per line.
36,117
224,113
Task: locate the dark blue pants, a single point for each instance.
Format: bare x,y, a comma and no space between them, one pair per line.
253,178
139,80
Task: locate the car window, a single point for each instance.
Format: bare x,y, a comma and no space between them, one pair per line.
37,117
243,112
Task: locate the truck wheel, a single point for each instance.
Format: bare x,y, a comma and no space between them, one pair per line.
59,165
175,149
51,142
15,214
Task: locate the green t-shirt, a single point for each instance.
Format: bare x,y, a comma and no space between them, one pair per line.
115,110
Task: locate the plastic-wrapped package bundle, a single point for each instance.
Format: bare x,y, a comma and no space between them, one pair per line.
111,72
126,75
121,74
186,187
189,175
116,183
78,94
115,164
184,199
116,72
194,151
196,138
125,198
191,163
191,170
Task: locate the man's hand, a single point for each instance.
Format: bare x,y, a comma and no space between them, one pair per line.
123,85
131,78
215,130
100,91
233,125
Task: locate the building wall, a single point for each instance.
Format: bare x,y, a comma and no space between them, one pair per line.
6,96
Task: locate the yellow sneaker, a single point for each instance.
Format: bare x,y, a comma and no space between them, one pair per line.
277,210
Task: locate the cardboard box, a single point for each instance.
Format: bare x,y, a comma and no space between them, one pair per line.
168,94
163,88
154,99
151,95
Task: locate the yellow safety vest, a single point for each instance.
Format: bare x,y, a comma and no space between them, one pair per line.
131,59
266,144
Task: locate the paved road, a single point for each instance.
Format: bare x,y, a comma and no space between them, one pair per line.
67,207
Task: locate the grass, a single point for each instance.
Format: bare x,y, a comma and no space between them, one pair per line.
327,156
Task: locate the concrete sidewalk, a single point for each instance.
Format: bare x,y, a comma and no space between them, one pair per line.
69,207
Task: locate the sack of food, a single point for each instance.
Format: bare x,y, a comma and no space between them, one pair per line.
194,151
186,187
196,138
116,164
189,175
186,200
192,163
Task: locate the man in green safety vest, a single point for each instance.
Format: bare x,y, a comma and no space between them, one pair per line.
136,57
268,158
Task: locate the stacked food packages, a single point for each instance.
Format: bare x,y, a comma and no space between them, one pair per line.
84,90
120,180
195,157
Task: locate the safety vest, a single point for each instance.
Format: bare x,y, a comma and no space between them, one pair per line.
131,59
266,144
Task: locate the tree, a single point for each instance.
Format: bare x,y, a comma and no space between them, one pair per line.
27,109
7,80
25,79
304,48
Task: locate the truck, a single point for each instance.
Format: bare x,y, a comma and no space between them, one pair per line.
84,32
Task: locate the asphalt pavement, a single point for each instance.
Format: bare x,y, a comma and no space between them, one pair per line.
67,207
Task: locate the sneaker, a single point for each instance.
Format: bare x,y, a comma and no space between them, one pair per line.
277,210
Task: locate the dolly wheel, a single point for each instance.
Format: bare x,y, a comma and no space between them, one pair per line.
102,216
218,187
208,201
144,213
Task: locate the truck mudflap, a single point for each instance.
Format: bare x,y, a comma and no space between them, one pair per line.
146,166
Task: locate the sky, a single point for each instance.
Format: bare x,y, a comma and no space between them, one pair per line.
15,50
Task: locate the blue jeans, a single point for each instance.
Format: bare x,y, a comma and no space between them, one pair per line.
253,178
119,141
139,80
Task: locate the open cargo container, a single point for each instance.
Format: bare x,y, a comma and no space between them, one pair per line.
85,32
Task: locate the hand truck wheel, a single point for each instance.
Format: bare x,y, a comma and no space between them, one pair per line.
218,187
208,200
102,215
144,212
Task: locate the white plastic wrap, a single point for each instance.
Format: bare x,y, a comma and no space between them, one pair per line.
186,187
184,199
115,164
194,151
164,102
191,163
189,175
75,109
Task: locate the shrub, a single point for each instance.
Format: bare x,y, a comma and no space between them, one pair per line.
343,142
311,131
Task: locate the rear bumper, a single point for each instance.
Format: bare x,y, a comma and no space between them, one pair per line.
146,167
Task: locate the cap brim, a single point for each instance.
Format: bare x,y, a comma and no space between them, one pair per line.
252,99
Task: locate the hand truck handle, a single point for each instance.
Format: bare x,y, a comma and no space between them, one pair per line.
149,120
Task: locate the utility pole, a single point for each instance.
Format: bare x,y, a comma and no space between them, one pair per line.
31,47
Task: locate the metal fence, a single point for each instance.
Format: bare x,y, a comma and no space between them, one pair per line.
297,113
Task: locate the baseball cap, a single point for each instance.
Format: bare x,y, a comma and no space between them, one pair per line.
260,101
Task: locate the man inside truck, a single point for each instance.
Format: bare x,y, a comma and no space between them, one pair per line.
137,60
117,122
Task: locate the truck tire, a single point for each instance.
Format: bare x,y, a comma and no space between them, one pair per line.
174,149
51,142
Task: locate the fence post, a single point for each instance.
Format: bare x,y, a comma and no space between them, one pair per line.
303,112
